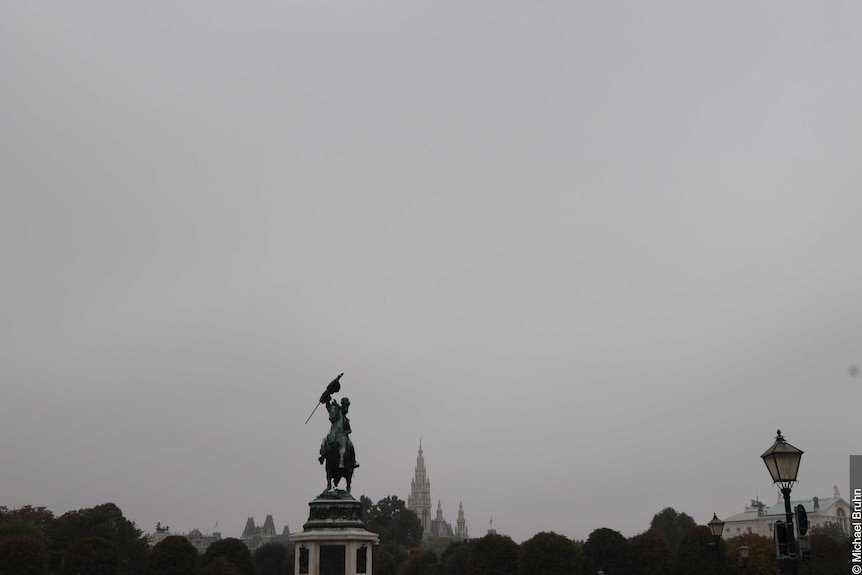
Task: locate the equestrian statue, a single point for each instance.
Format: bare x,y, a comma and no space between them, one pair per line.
337,454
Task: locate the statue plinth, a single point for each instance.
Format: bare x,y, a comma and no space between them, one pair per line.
335,510
335,539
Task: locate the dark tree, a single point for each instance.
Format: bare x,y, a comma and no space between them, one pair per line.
174,555
104,521
493,555
91,555
388,557
607,550
27,521
673,525
290,560
41,517
435,544
219,566
455,557
651,554
419,562
391,519
761,555
234,551
272,559
15,528
697,552
548,553
23,555
833,530
829,555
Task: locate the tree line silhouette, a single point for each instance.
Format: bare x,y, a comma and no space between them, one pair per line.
100,541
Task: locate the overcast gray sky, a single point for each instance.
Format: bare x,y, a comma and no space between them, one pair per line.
592,254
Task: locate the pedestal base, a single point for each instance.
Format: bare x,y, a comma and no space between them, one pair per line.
334,540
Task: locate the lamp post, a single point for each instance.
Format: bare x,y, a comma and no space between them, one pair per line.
782,461
743,552
716,527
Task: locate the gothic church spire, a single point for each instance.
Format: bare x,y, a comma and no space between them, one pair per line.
419,499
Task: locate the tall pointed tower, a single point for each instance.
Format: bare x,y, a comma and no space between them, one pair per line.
268,529
419,499
461,533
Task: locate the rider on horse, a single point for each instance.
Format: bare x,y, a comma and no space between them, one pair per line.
338,431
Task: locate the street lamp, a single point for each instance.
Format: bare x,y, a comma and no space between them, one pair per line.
743,552
716,527
782,461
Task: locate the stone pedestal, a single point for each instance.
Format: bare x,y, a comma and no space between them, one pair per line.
334,540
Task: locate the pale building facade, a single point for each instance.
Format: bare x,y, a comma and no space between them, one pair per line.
201,541
198,540
254,536
759,519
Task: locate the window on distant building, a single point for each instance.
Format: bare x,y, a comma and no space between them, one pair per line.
842,520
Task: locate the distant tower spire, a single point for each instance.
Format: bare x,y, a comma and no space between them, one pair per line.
249,528
461,533
268,529
419,499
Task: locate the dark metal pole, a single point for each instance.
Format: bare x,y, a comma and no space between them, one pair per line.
791,535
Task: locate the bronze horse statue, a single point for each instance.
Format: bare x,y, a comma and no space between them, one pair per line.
336,449
334,471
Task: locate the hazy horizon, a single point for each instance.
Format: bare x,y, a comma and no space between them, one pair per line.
592,255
